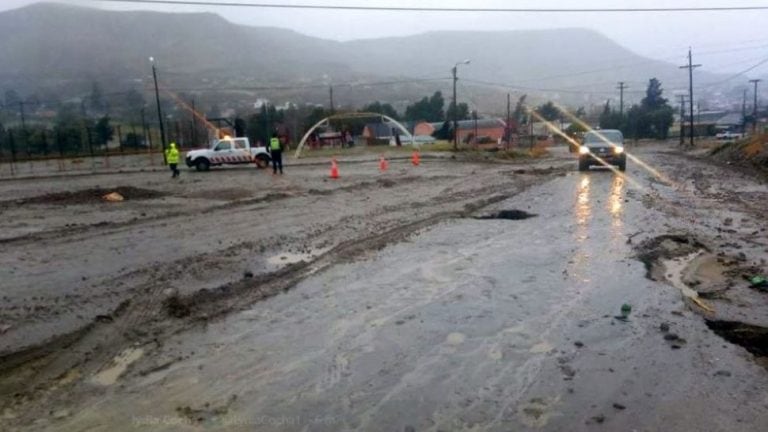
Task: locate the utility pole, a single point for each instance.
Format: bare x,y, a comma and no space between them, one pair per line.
330,90
682,119
690,66
744,112
453,111
508,134
456,106
754,106
159,111
621,88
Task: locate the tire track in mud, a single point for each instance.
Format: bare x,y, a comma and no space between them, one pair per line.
147,319
102,228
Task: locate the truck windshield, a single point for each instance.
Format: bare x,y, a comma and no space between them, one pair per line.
603,137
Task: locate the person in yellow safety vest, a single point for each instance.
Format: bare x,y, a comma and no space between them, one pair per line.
276,151
172,157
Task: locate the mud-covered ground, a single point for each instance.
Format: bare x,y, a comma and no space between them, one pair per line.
453,296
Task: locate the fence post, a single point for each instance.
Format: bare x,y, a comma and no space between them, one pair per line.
12,142
61,149
90,147
120,138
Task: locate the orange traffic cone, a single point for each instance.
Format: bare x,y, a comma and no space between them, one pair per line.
334,169
415,159
383,164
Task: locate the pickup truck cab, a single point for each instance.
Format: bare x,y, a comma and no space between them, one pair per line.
227,151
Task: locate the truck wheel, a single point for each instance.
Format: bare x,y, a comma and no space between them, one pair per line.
262,161
623,166
583,165
202,165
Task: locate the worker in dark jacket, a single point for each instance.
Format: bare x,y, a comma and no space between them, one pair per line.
276,151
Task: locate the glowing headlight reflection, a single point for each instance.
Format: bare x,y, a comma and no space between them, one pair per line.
583,149
618,150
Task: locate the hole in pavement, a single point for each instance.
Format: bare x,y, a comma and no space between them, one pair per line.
507,214
753,338
89,196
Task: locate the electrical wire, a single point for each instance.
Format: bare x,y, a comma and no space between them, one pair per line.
440,9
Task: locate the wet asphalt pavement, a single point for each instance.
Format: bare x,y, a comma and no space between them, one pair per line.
492,325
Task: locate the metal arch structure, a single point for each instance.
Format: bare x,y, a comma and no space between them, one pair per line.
350,115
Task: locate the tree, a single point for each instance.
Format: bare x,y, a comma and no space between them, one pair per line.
610,119
103,131
427,109
96,98
462,112
548,111
520,114
380,108
12,98
134,101
653,99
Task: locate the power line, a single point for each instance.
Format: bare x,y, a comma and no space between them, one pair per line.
736,75
438,9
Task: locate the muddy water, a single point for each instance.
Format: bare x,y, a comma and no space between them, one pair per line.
491,325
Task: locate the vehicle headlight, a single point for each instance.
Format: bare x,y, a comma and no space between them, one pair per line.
618,150
583,150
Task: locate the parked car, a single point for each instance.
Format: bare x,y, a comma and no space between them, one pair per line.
601,147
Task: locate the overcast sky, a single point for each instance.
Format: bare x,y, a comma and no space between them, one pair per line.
722,41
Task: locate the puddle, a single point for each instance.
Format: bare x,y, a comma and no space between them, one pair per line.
119,365
507,214
675,272
455,339
541,348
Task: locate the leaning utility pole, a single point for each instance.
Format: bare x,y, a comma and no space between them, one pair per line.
159,111
690,66
754,106
621,88
682,119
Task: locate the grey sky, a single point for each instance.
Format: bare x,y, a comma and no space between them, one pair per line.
657,35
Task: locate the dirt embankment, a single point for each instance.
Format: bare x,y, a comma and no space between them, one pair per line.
718,256
752,152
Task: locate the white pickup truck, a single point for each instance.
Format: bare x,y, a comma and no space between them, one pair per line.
729,135
227,151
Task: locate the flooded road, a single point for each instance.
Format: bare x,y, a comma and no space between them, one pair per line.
470,324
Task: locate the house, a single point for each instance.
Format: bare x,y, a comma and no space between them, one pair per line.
708,123
426,128
379,131
492,128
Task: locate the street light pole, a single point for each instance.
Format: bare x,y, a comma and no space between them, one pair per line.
159,112
754,107
456,107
